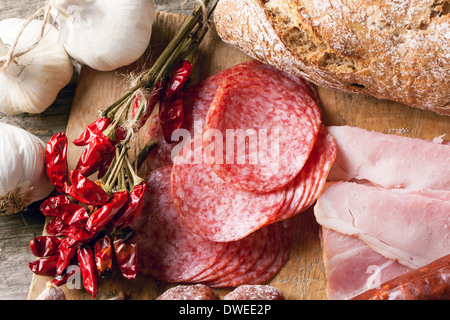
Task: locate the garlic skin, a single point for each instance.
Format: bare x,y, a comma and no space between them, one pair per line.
31,83
23,177
104,34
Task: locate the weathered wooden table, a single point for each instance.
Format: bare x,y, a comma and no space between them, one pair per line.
17,230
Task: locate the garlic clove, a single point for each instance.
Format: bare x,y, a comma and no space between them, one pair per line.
23,178
104,34
31,82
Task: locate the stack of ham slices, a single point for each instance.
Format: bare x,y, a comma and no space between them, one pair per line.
219,217
384,210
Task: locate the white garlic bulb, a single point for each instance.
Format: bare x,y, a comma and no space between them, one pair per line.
23,178
31,82
104,34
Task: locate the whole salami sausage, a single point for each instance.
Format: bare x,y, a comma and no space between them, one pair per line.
255,292
431,282
189,292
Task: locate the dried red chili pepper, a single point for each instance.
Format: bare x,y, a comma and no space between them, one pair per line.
79,237
94,154
73,215
88,270
180,75
152,100
100,218
104,255
66,253
45,246
44,266
93,130
49,206
171,114
121,133
132,209
104,166
61,279
56,160
56,227
85,190
125,247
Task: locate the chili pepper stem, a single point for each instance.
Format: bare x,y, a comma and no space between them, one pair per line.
166,59
135,178
115,171
111,130
143,154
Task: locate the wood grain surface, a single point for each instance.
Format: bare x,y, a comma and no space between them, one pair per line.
303,276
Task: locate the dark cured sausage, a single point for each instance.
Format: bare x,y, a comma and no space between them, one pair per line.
189,292
431,282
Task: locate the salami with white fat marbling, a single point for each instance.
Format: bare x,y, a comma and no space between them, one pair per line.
261,134
168,250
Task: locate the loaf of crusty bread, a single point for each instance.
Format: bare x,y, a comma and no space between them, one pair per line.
391,49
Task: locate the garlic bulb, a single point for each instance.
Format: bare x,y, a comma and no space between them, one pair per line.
23,178
104,34
31,82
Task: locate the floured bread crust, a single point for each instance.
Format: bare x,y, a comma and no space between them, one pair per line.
390,49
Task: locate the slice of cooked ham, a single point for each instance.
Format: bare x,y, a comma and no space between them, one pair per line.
408,226
352,267
389,160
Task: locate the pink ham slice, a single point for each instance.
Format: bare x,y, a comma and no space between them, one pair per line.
212,208
352,267
390,161
408,226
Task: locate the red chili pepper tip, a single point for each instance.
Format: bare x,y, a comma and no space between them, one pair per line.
88,270
100,218
93,130
45,246
44,266
125,247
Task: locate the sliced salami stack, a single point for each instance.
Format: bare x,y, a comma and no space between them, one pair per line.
261,156
170,252
217,213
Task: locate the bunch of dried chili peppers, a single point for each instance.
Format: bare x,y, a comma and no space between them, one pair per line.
89,221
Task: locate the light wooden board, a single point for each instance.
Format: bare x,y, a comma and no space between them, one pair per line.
303,276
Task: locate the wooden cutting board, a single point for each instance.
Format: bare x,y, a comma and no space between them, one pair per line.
303,276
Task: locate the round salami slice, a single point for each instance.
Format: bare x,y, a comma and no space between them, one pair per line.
274,256
264,133
312,178
281,257
196,102
327,149
168,250
199,97
246,264
264,261
212,208
224,260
